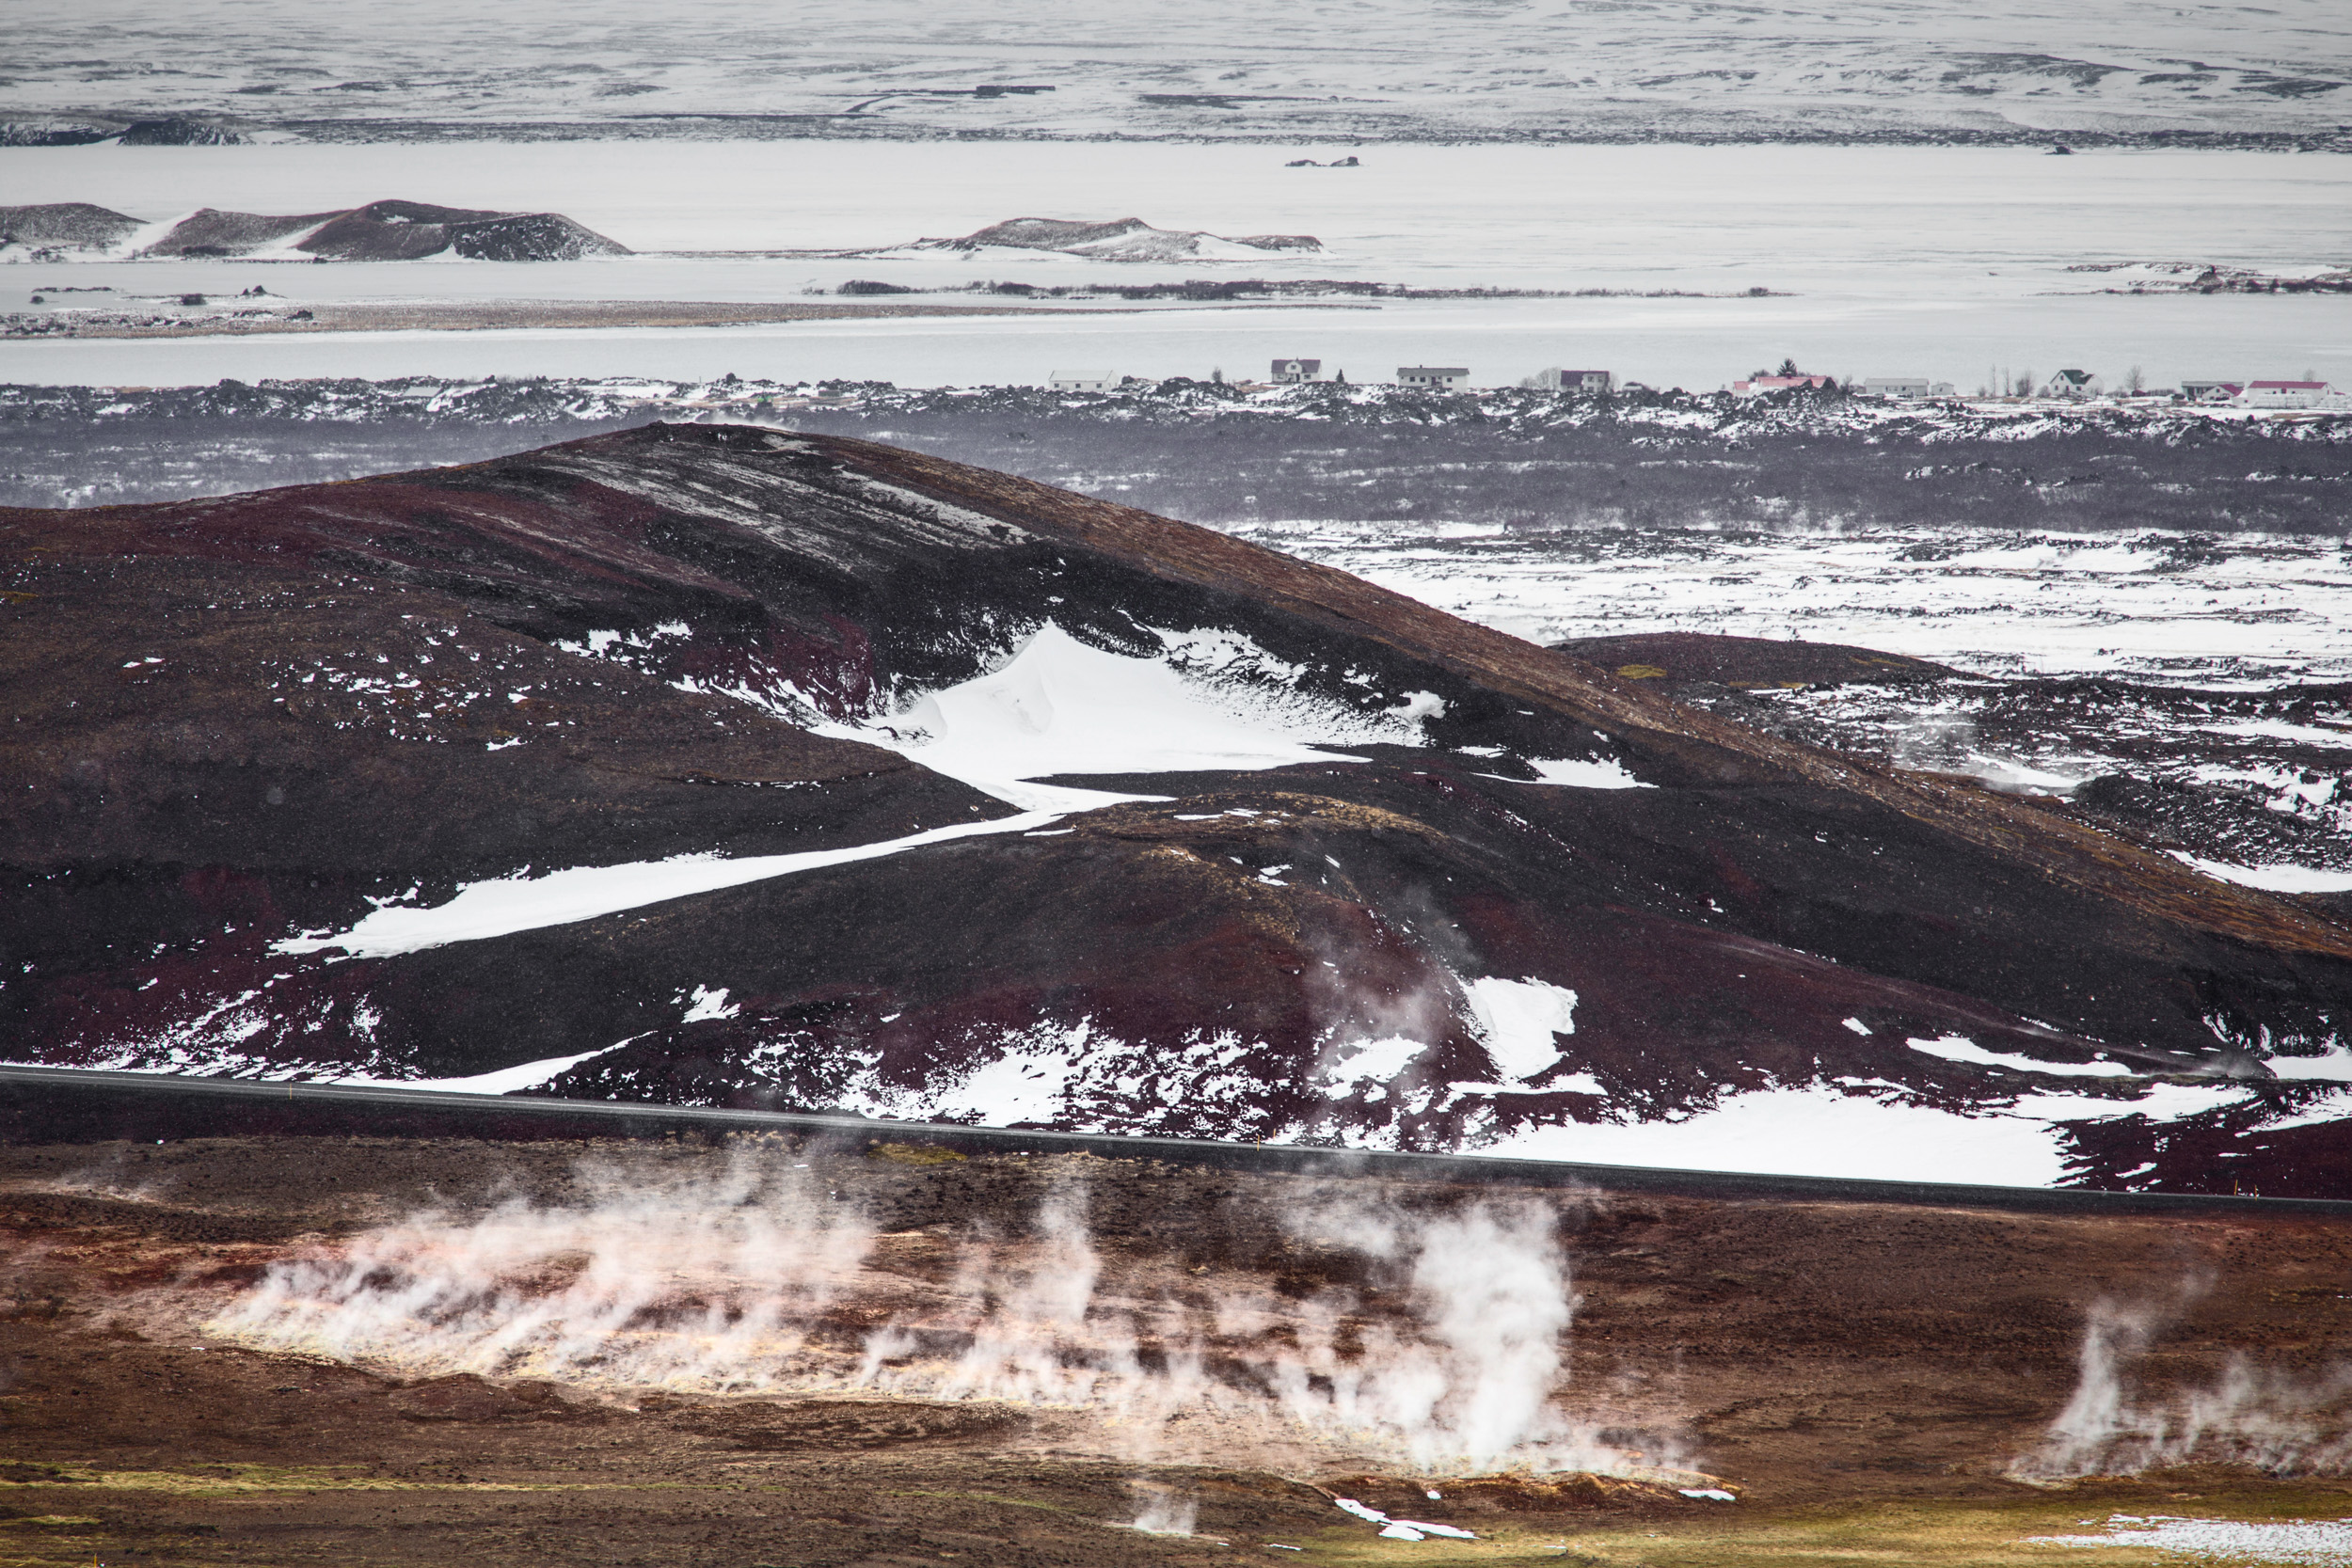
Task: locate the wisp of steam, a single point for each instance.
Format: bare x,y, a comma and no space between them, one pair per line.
2280,1423
755,1278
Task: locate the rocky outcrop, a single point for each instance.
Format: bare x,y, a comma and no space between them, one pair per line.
292,769
178,132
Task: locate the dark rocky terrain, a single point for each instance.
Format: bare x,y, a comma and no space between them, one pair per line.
178,131
1512,458
2181,766
241,720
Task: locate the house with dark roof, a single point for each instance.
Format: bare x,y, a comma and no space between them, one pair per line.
2073,384
1557,380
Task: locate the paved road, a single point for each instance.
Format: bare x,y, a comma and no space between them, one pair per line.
69,1104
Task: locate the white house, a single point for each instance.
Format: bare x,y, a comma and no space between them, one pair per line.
1297,369
1557,380
2073,384
1896,385
1442,378
1104,383
2287,394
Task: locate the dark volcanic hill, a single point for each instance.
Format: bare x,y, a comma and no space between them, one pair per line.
1117,239
314,781
70,225
388,231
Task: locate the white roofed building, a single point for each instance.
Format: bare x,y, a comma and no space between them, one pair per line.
1896,385
1439,378
2288,394
1061,382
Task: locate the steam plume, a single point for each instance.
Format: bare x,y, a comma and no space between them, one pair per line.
2262,1418
702,1282
755,1279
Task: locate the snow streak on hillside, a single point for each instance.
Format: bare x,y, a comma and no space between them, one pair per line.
1377,68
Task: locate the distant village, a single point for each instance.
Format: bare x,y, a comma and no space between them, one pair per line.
2067,385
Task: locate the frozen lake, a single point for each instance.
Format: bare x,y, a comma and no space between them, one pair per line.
1948,262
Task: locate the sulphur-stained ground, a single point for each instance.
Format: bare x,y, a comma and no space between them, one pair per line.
253,1351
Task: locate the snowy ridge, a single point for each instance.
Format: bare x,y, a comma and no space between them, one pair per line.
1647,66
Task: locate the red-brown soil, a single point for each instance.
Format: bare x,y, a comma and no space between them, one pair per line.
1815,1358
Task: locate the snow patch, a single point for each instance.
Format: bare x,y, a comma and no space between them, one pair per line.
1517,1020
507,1080
509,904
2271,878
1061,708
2296,1540
1959,1047
1577,773
1018,1086
2333,1065
1369,1061
709,1003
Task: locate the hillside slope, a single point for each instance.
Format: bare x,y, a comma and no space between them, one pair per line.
1157,830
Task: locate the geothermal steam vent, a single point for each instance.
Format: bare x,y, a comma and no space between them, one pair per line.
727,765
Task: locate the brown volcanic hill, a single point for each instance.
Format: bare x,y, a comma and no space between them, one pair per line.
389,232
242,719
209,231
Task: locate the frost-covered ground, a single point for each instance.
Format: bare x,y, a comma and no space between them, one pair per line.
2296,1540
2243,613
2193,690
1467,67
1946,262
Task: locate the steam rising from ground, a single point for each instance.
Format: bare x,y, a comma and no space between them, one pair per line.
1448,1355
711,1282
2276,1420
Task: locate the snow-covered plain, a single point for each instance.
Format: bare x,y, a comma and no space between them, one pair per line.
2261,612
1948,262
1197,68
